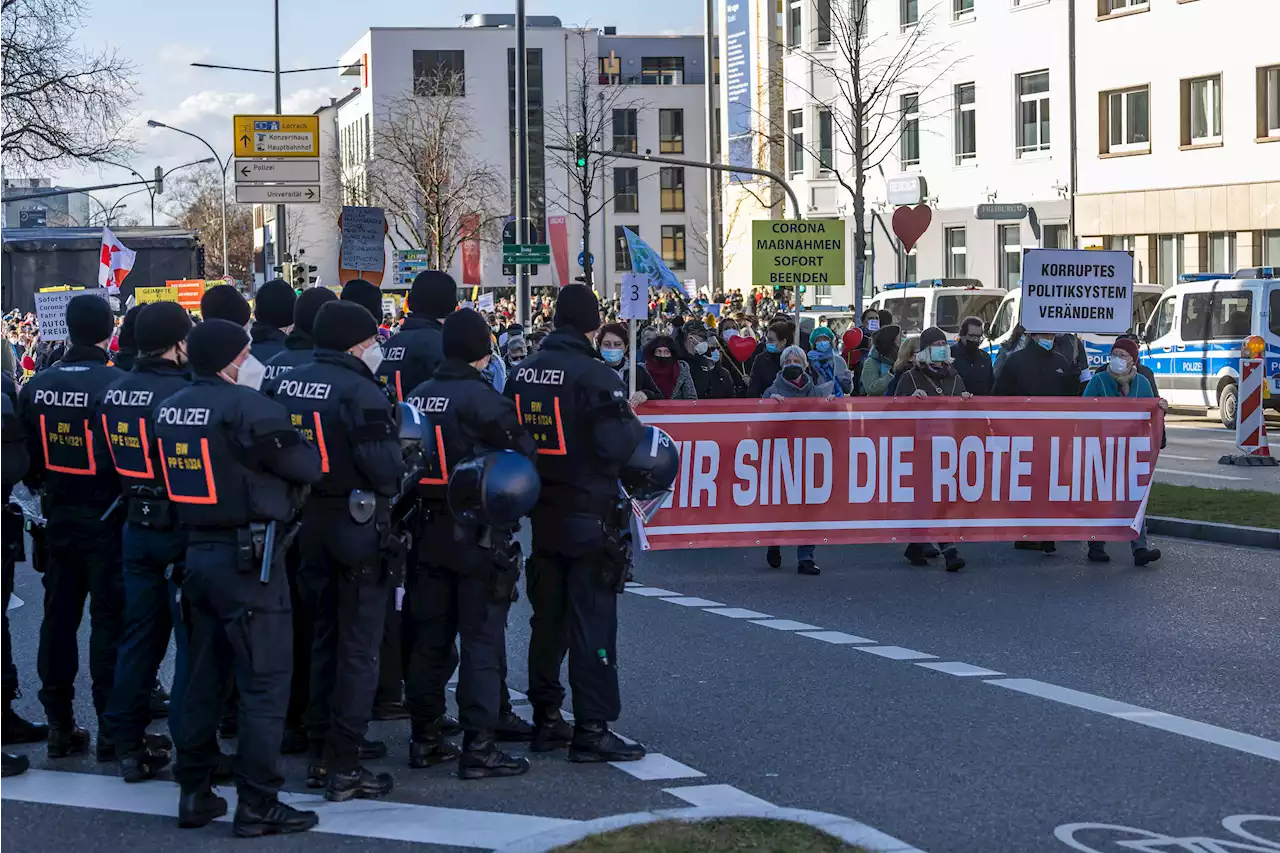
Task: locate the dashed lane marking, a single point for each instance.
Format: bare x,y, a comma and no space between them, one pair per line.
693,601
895,652
955,667
1183,458
717,797
737,613
785,624
836,638
650,591
656,766
1172,473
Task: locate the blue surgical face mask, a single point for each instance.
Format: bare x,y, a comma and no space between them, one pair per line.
715,355
823,345
1044,344
770,347
612,356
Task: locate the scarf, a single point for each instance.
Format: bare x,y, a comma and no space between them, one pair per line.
1124,379
824,364
665,373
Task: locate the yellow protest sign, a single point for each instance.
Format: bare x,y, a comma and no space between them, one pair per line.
144,295
58,288
791,253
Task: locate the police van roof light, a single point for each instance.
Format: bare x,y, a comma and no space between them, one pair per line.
1256,272
1203,276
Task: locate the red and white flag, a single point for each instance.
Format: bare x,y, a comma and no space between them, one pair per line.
115,261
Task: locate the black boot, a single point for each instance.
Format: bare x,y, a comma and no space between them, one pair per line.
14,765
774,557
481,758
915,554
159,702
808,567
427,746
371,749
270,818
550,731
928,551
592,741
18,730
1142,556
317,774
139,765
1098,553
358,784
67,739
954,561
449,726
104,749
200,808
294,741
512,729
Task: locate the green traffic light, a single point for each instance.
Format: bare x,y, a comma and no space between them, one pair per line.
582,162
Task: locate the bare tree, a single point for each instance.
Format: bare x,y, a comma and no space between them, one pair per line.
195,202
424,173
731,221
586,118
61,104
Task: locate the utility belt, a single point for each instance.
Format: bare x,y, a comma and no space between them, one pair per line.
617,551
150,507
500,557
250,542
367,508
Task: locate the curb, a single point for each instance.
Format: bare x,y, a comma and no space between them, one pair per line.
840,827
1208,531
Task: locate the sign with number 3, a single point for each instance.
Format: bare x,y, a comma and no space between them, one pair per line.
635,297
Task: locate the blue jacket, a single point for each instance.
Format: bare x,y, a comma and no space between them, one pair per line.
1103,384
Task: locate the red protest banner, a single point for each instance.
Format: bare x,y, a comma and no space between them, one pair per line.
799,472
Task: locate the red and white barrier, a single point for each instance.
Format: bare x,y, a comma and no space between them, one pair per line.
1251,425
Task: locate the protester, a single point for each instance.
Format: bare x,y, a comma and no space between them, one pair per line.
647,334
970,360
825,365
791,382
903,364
611,343
670,375
767,360
1122,379
517,349
710,380
877,367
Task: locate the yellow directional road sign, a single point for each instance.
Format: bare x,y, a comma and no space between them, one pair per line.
277,136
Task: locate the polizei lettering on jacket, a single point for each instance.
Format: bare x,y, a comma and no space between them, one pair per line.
182,417
429,404
305,390
129,399
536,376
69,399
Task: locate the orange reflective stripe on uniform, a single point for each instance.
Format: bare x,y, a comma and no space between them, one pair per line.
399,390
443,479
324,451
211,492
149,473
536,425
92,468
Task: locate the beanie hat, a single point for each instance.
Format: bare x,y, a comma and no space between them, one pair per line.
1127,346
89,320
364,293
821,332
932,336
273,303
341,325
214,344
308,305
161,326
224,302
885,336
466,336
126,337
577,308
434,293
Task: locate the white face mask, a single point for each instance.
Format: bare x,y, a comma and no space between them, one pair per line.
700,348
729,333
873,325
1119,364
251,373
372,357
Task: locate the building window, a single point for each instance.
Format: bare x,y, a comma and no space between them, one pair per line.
1168,258
1202,110
624,131
955,265
961,9
1128,121
1120,243
1107,7
1033,112
1269,242
534,116
823,30
795,34
662,70
1269,102
826,154
908,13
966,123
1010,238
622,250
795,129
672,178
439,72
1055,237
673,246
626,190
671,131
1218,251
910,106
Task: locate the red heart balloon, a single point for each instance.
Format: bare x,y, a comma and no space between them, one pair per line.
741,348
910,223
851,339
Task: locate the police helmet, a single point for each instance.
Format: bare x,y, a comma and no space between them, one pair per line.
417,441
494,489
653,466
414,425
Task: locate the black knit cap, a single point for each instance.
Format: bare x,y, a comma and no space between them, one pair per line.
341,325
273,303
466,336
214,344
127,338
89,320
308,305
434,293
930,336
224,302
364,293
578,308
160,326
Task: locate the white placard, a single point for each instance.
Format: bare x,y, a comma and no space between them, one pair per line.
485,302
51,310
364,231
1082,291
635,296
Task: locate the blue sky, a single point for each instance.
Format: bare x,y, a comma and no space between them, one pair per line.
161,37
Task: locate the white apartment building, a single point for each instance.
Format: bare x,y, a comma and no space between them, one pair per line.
1179,133
662,112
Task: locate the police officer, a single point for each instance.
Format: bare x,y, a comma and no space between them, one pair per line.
462,579
234,466
152,539
224,302
78,486
575,406
272,319
13,466
346,580
414,353
299,343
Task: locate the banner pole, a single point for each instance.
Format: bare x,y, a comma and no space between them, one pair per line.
635,364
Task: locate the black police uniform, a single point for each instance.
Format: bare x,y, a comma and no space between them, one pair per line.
457,587
152,542
298,347
233,463
78,485
336,402
412,355
13,466
576,408
268,341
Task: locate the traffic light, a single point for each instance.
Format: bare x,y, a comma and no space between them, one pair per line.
580,150
199,261
298,276
159,182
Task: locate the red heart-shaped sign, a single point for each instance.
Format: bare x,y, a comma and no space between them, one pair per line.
741,348
910,223
851,339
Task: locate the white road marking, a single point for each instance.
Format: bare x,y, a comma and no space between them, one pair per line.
1164,455
693,601
1173,473
737,613
517,696
895,653
784,624
838,638
655,766
955,667
630,584
14,602
717,797
357,818
1229,738
650,591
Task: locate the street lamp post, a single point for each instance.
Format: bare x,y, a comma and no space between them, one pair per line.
219,161
150,192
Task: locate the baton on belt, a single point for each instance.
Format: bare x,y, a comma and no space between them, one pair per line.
268,551
115,503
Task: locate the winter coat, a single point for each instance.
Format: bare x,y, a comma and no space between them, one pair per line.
684,389
841,375
1036,372
877,370
974,368
1103,384
916,379
783,388
710,380
764,368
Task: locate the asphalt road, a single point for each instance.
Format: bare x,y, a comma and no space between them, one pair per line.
1196,443
978,712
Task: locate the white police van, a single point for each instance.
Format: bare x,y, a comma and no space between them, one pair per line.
941,302
1097,347
1192,341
